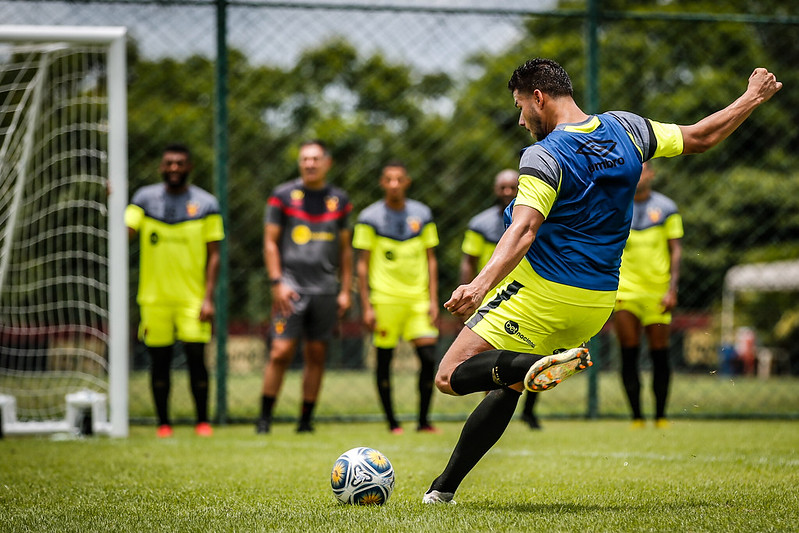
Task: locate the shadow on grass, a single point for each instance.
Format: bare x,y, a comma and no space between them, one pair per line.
579,508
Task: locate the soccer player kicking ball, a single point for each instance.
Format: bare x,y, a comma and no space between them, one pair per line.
555,270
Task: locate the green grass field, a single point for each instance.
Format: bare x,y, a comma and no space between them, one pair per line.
572,476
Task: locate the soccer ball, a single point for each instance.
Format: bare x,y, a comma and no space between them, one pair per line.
362,476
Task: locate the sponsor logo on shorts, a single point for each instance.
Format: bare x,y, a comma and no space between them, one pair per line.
153,238
512,329
389,255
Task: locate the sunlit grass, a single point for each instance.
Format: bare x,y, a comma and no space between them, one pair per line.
572,476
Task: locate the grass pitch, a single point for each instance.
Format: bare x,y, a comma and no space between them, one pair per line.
572,476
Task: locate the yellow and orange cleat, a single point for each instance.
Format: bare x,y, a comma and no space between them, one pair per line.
548,371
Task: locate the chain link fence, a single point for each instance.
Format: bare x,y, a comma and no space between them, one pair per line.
425,82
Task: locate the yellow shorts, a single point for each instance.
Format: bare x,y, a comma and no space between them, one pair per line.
161,325
527,313
647,307
409,320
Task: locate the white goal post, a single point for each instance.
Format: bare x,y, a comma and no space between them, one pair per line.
63,242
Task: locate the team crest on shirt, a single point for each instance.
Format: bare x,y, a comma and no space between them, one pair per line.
280,326
331,202
192,208
415,224
655,215
297,196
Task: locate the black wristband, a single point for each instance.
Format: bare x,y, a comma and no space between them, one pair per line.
274,281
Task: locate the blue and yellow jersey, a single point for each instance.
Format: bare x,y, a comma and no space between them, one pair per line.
398,242
174,230
646,261
311,221
582,178
482,235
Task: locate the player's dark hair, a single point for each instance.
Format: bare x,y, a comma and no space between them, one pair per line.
543,74
396,163
318,142
179,148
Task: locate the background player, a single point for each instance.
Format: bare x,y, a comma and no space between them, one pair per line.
556,281
180,228
648,280
398,283
307,251
481,238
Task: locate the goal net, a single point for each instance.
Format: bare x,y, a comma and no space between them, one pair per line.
63,245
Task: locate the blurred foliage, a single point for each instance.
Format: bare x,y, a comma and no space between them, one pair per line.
456,131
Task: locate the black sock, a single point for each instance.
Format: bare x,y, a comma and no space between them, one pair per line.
529,403
661,376
267,404
481,431
384,356
307,412
198,378
491,370
427,374
160,380
630,378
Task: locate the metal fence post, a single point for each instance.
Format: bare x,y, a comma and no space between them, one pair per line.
220,180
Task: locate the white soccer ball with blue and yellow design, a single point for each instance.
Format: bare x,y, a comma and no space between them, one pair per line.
362,476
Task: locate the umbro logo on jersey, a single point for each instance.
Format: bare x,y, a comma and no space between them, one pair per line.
600,150
596,148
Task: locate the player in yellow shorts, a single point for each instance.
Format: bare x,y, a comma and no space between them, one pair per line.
479,241
648,281
568,225
398,284
179,229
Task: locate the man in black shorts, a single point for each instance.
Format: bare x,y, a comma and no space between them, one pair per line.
308,257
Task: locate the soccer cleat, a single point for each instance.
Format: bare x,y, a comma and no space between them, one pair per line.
548,371
434,496
427,428
164,431
531,420
397,430
304,427
662,423
263,426
203,429
638,423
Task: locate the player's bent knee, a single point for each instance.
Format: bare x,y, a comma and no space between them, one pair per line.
442,383
280,359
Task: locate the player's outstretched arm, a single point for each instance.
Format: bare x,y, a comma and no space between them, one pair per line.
713,129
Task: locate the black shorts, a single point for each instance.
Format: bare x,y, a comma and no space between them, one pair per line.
314,318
